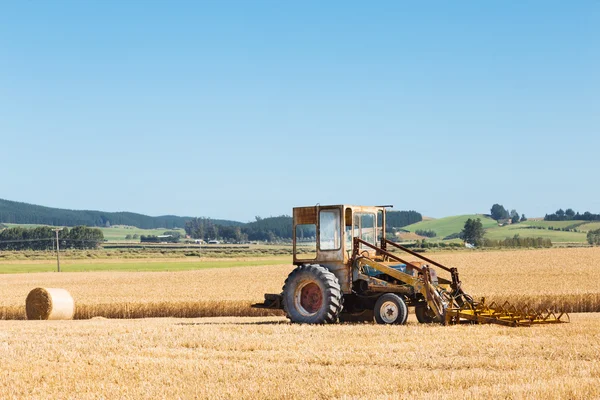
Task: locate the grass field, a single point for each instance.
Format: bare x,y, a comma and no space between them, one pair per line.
159,264
267,358
590,226
509,231
23,225
554,224
449,225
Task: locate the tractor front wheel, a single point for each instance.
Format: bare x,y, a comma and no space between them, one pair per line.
312,295
390,309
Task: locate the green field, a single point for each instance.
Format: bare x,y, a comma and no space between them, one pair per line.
554,224
589,226
449,225
81,266
509,231
23,225
502,232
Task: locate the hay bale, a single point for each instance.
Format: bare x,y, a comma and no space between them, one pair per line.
51,304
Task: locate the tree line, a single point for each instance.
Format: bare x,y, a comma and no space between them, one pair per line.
13,212
569,214
513,242
501,214
274,228
399,219
427,233
267,229
518,241
44,238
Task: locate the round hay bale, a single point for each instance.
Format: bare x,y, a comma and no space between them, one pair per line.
49,304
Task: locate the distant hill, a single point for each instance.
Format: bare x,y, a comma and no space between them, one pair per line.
557,231
23,213
449,225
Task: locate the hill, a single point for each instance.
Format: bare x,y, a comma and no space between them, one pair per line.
449,225
557,231
23,213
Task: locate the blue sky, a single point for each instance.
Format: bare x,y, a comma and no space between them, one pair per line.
236,109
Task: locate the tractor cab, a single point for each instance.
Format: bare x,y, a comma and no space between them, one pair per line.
324,234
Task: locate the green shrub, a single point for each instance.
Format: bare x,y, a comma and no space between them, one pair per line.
426,233
593,237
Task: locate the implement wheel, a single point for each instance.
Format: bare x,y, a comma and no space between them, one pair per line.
424,314
390,309
312,295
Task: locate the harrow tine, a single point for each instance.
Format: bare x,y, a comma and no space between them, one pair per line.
506,314
566,315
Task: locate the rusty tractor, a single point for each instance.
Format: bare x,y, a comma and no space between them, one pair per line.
346,270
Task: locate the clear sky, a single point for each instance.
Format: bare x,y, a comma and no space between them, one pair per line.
236,109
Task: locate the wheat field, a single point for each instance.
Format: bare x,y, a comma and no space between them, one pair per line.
268,358
265,357
556,278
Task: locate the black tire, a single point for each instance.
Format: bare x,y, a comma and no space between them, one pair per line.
312,295
424,314
390,309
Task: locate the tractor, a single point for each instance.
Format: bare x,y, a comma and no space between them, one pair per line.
347,270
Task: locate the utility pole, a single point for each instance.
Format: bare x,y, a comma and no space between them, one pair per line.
57,249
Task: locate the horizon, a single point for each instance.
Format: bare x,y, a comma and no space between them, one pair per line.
232,110
424,217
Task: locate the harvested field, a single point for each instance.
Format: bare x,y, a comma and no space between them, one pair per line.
267,358
562,277
211,292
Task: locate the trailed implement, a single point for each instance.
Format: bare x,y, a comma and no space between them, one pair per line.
347,270
505,314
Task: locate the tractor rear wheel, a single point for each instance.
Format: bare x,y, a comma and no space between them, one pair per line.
312,295
424,314
390,309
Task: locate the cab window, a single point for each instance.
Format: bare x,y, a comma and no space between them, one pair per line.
365,227
329,229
